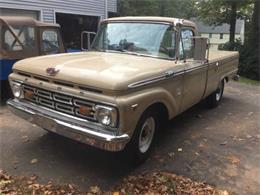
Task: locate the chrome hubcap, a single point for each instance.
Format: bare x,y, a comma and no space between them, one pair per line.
219,93
146,135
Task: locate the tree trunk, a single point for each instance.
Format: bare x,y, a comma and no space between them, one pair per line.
255,26
233,19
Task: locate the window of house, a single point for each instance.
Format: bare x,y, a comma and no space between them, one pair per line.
221,36
187,43
50,42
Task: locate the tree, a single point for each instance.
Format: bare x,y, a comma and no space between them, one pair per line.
217,12
250,54
169,8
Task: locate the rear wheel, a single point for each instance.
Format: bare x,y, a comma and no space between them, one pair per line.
215,98
141,143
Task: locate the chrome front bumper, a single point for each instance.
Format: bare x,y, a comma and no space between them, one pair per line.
68,126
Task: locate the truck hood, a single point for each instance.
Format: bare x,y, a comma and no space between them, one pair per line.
111,71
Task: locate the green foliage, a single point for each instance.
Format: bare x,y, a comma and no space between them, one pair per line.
250,54
169,8
216,12
248,59
231,46
249,81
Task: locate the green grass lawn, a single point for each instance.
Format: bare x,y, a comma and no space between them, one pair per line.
249,81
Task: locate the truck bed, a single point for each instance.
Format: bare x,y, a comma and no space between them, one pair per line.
221,55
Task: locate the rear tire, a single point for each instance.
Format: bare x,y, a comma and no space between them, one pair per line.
139,148
215,98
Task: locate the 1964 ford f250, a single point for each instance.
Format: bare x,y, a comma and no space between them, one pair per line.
139,71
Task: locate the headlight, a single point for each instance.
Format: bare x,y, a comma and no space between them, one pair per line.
16,89
106,115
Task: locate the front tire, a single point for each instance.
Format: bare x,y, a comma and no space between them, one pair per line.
215,98
141,143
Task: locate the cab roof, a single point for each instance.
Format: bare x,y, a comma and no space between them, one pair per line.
173,21
15,20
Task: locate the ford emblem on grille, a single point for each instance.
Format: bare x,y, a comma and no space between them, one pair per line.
52,71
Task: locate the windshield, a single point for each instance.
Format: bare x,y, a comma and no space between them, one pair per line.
150,39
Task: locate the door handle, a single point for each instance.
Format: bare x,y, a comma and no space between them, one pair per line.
169,73
217,65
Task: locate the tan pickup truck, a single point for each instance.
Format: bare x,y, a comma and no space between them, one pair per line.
139,72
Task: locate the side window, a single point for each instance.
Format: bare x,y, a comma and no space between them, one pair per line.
167,46
9,42
188,42
181,52
50,42
25,38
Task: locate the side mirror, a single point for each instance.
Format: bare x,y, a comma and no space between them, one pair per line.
86,34
201,48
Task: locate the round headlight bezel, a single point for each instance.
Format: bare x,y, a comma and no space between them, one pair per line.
106,116
16,89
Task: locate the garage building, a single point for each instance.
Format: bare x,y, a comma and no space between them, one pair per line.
74,16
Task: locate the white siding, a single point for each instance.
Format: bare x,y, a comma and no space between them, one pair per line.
48,15
112,5
215,39
49,7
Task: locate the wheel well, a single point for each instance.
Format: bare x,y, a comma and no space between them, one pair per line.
161,110
226,79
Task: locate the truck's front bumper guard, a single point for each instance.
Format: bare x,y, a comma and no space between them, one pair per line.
68,126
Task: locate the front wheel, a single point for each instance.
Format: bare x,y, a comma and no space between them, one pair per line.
141,143
215,98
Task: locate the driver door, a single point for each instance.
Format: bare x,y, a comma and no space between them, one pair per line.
195,72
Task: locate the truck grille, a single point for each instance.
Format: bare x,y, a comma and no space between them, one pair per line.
59,102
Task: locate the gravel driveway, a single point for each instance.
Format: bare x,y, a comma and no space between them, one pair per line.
219,146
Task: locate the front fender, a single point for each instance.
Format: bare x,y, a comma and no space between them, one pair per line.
132,106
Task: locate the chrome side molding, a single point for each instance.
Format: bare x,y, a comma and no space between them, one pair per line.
168,74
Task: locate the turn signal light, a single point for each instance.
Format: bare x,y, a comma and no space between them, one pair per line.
84,110
28,94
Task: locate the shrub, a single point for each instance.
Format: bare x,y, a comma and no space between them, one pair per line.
248,59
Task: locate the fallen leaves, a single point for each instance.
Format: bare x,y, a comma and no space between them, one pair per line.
231,170
250,113
223,143
13,185
147,183
95,190
164,183
34,161
233,159
25,138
